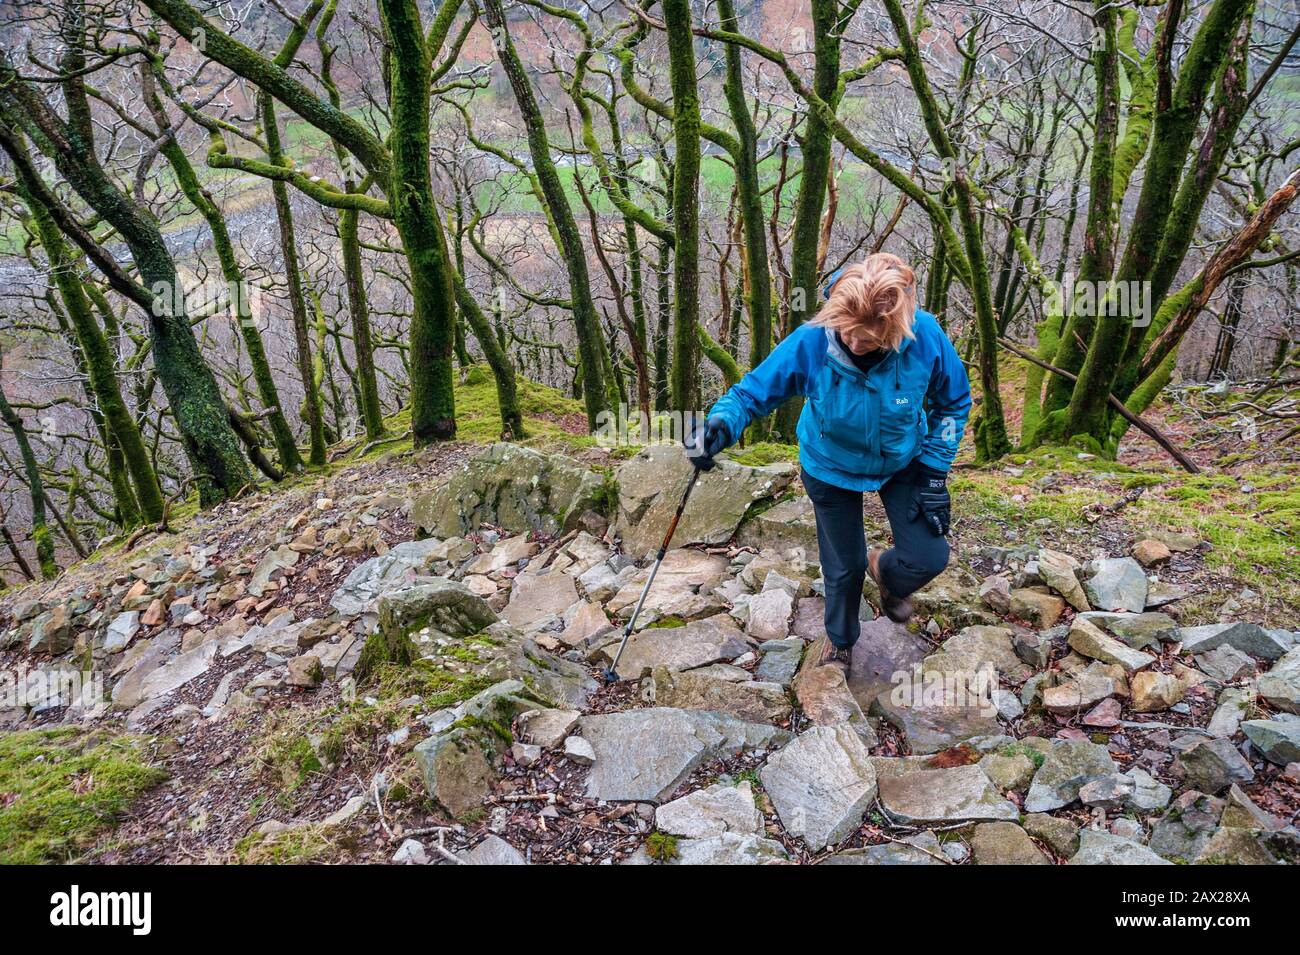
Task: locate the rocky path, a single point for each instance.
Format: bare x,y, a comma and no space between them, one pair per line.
1050,710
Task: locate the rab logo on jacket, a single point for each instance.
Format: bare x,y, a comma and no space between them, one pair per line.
134,909
902,401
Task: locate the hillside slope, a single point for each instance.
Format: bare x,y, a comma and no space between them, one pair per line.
237,727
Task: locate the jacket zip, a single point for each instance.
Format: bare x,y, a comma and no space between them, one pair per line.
873,437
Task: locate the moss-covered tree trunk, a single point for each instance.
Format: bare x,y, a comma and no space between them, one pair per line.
684,382
289,245
815,150
1167,213
311,410
758,284
1226,113
285,445
219,467
1178,113
991,441
126,509
363,379
663,323
42,537
503,370
101,370
401,170
591,346
415,214
635,283
1180,309
372,414
1105,330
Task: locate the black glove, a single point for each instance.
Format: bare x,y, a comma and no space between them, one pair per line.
932,501
705,441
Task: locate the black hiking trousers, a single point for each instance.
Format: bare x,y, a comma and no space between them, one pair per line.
917,557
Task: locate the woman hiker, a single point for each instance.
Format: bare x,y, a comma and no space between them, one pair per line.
888,399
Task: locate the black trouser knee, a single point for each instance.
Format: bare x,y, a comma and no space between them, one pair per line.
919,555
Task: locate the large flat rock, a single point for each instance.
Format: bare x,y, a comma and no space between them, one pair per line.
692,690
1249,638
1103,848
1116,583
884,650
937,796
701,642
1068,767
677,588
372,578
937,720
730,848
513,487
1278,740
1087,639
1004,843
974,648
788,524
1281,685
824,696
560,681
821,784
920,849
644,755
650,487
179,671
712,811
446,606
535,597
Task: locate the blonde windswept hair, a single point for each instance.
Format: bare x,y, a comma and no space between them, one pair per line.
878,293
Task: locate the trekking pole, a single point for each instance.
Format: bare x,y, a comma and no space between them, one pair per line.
610,675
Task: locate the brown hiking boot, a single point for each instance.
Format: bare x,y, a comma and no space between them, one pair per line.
833,656
897,609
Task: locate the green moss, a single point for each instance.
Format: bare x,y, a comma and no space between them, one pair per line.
472,817
605,498
296,846
497,729
383,649
302,741
1133,481
471,654
60,790
963,835
294,758
1252,533
437,687
665,623
764,453
1023,749
765,504
476,375
478,412
661,847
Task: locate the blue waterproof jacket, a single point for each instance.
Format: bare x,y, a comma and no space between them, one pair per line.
858,429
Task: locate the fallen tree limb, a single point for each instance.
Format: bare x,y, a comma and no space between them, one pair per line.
1232,253
1145,427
